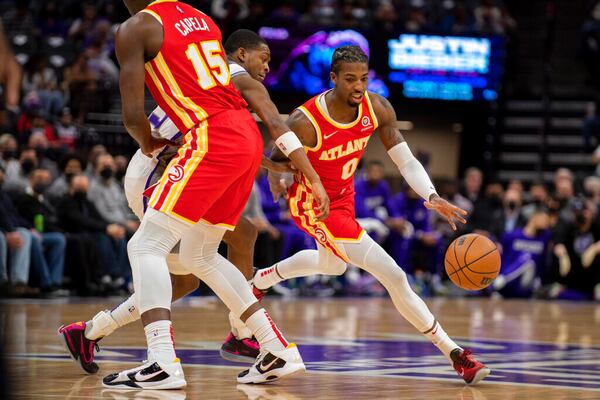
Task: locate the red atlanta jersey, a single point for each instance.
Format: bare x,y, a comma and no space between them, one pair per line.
339,146
189,77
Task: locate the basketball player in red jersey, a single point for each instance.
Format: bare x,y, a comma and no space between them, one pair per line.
335,128
248,56
177,49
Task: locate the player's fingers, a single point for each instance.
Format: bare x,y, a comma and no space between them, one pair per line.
452,224
428,205
460,219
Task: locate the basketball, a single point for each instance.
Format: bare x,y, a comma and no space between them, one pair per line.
472,261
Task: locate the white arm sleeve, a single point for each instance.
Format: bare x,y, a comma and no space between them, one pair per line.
412,170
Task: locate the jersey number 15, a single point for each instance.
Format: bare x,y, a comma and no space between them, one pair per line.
209,63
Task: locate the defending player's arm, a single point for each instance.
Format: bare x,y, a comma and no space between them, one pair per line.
410,168
307,136
287,141
137,39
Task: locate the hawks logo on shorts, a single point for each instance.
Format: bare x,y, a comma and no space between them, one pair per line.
176,173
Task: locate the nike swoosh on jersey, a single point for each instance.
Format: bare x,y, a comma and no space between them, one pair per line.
330,135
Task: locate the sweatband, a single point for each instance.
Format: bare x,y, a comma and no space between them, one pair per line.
412,170
288,142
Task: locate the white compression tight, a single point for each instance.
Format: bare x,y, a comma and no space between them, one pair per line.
371,257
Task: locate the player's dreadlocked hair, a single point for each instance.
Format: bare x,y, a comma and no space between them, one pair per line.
347,54
242,38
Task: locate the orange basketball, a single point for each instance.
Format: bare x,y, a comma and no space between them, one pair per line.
472,261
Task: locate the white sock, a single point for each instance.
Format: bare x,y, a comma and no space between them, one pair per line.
265,331
438,336
303,263
238,328
159,336
126,312
267,277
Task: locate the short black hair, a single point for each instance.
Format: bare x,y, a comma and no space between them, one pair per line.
375,163
243,38
62,164
347,54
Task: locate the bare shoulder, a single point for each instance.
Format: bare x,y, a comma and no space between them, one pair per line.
303,128
384,110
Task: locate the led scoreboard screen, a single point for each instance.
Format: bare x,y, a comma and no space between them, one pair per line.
401,66
446,67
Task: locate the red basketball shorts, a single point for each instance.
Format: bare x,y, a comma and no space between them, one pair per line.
340,225
211,177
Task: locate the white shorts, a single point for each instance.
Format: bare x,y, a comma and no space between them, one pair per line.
136,180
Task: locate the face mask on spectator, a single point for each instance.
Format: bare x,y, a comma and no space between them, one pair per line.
40,151
106,173
40,188
27,166
580,219
512,205
80,194
8,154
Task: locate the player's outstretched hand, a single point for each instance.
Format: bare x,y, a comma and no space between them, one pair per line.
280,167
151,144
446,210
322,200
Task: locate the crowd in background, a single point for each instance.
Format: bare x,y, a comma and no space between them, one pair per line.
64,217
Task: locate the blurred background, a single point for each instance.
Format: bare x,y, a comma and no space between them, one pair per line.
499,100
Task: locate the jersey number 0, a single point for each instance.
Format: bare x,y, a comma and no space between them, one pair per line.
208,63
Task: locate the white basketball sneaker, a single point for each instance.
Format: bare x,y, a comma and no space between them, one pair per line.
150,375
274,365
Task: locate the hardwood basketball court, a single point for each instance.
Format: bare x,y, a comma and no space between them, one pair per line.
353,349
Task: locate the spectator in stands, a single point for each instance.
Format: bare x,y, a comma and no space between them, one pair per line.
284,14
17,180
41,80
455,18
43,152
84,26
9,153
488,18
99,52
229,13
577,247
538,197
17,240
66,131
591,125
417,18
18,20
472,184
48,244
354,15
564,192
591,190
109,197
70,166
257,16
480,219
509,217
50,22
79,215
423,248
524,256
321,13
372,202
385,18
95,152
82,83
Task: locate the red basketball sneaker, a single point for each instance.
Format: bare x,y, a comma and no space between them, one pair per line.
81,348
259,294
471,370
240,350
